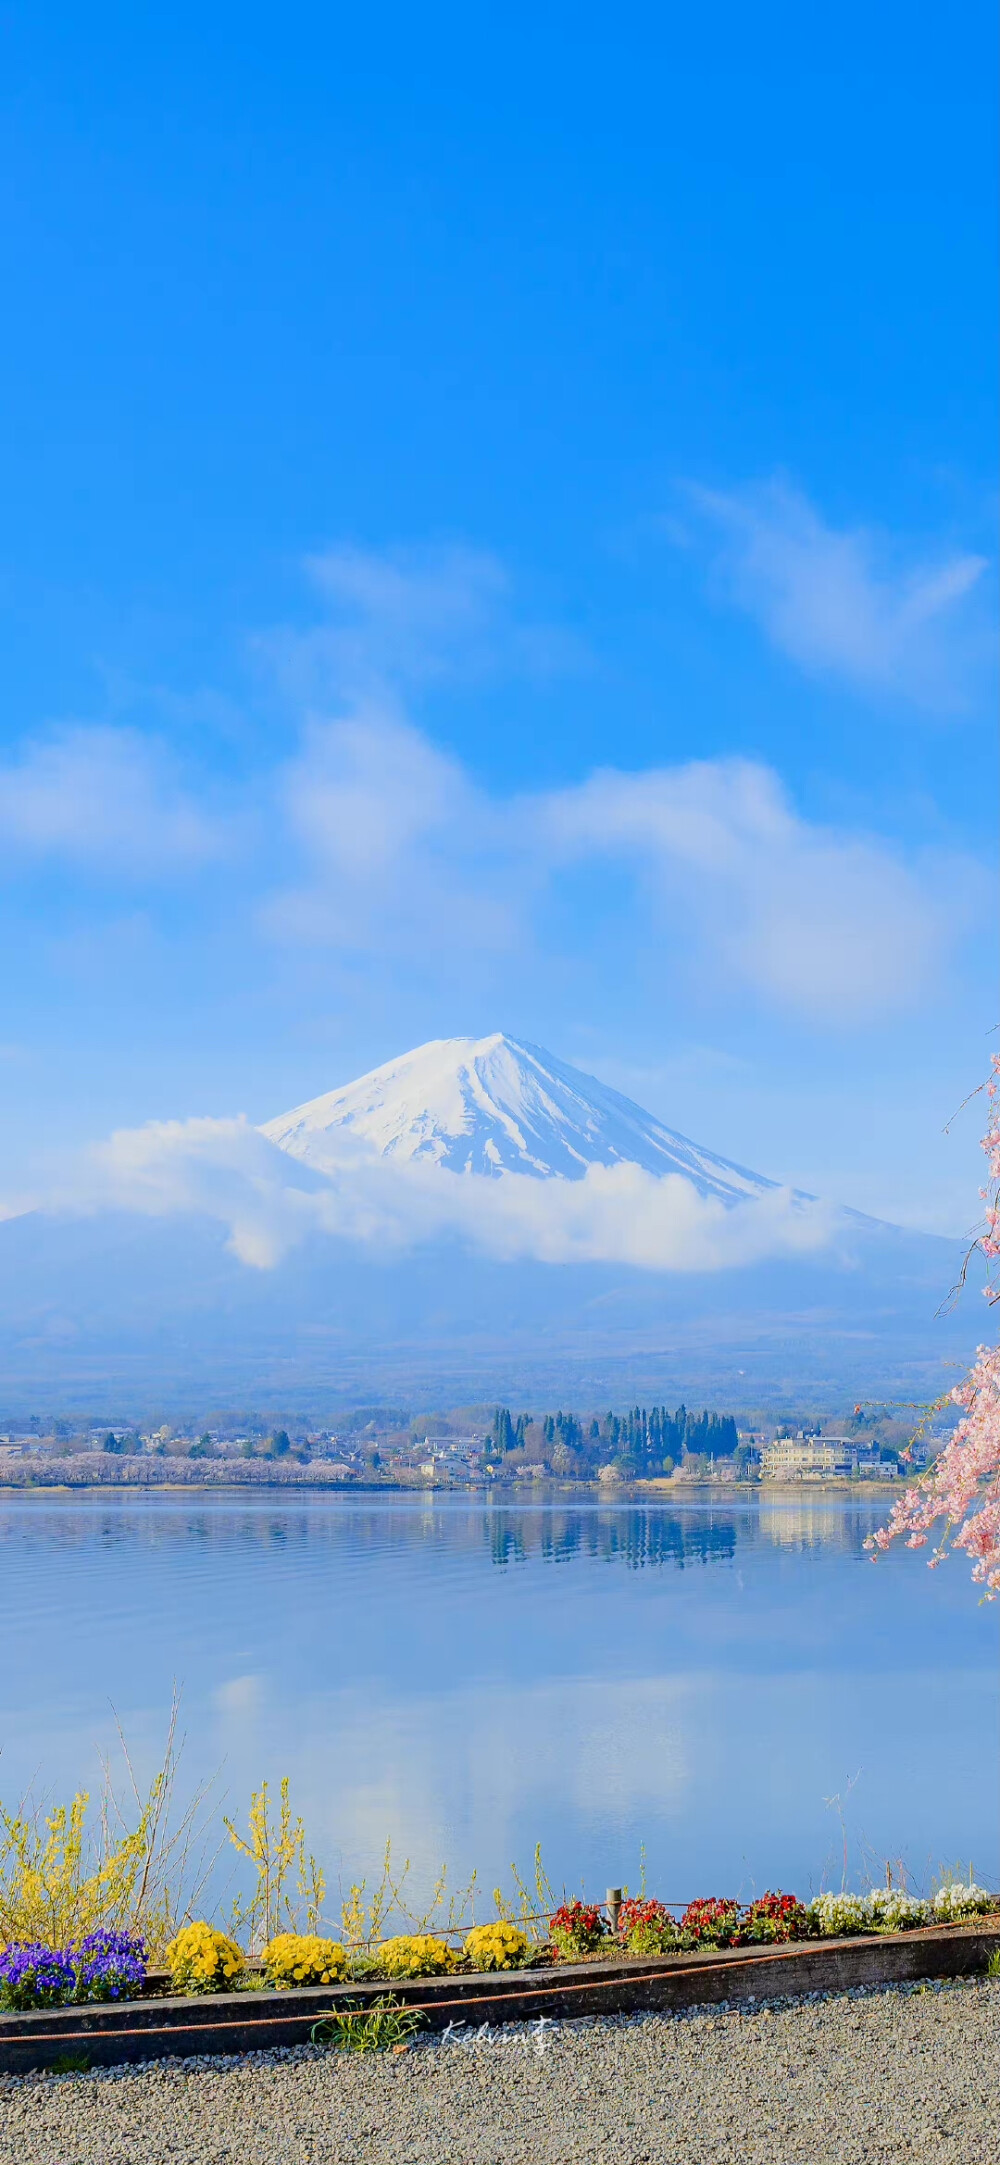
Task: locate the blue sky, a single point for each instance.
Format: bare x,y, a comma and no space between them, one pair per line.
499,532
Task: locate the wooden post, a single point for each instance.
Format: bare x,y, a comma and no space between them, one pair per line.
614,1903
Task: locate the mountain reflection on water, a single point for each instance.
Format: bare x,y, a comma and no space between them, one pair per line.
470,1675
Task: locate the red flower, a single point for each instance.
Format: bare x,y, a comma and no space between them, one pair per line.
775,1917
635,1912
576,1927
713,1921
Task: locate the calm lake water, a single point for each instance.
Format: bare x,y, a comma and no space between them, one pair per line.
471,1677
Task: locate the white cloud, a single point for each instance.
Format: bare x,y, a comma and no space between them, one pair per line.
405,855
269,1203
221,1169
413,616
399,846
394,851
390,849
239,1695
409,613
841,602
820,921
365,790
107,799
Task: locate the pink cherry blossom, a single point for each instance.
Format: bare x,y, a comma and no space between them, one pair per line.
961,1490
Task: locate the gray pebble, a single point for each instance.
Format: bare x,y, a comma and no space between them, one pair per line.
860,2078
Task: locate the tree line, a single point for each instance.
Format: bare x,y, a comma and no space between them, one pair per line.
649,1439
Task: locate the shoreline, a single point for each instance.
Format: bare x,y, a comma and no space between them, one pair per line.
649,1491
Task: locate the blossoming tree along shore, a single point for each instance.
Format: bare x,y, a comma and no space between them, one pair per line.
962,1488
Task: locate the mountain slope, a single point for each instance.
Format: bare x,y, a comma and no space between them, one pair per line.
491,1105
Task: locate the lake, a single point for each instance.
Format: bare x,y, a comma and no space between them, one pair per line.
470,1676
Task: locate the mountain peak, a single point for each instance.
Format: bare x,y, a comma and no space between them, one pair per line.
493,1105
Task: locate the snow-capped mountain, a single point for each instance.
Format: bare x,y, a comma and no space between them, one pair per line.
473,1221
493,1105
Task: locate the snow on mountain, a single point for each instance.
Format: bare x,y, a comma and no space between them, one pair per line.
493,1105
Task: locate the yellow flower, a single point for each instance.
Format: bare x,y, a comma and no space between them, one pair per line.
415,1954
302,1958
201,1959
500,1946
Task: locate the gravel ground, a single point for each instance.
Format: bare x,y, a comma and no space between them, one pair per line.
908,2074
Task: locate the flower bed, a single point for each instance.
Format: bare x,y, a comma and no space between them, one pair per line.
235,2022
647,1927
106,1967
891,1909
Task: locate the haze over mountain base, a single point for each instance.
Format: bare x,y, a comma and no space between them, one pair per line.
126,1315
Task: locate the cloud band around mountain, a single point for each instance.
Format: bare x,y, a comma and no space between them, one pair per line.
269,1204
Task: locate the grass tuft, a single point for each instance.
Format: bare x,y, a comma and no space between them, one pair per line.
380,2027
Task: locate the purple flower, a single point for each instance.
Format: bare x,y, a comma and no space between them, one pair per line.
32,1975
108,1966
104,1966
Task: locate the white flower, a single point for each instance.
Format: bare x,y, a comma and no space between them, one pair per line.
837,1914
891,1910
961,1899
884,1909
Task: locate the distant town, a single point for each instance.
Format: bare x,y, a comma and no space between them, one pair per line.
470,1446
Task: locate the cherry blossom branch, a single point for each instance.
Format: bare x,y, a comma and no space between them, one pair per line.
961,1490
